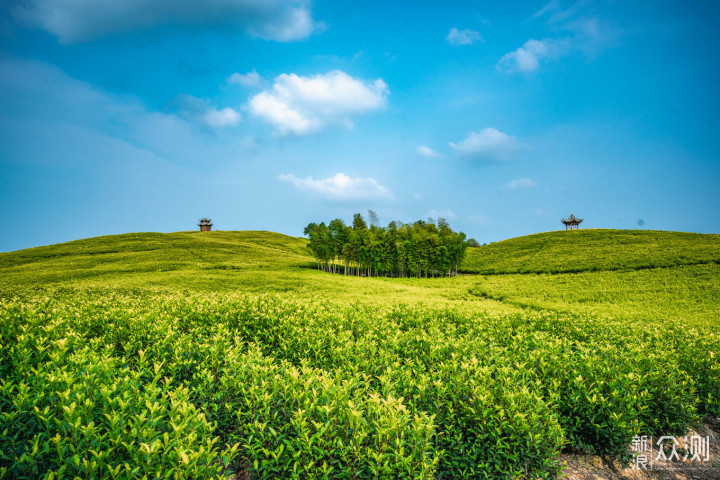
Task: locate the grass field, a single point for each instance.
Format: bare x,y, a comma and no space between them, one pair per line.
593,250
205,355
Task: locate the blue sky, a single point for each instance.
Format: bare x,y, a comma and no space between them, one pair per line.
503,119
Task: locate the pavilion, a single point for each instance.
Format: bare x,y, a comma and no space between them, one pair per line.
572,223
205,225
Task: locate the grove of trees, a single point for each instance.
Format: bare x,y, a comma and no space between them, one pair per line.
420,249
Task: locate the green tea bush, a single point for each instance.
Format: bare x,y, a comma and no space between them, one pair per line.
491,423
301,422
128,385
80,413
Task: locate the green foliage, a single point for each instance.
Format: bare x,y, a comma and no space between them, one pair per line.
295,389
135,355
593,250
405,251
70,411
687,295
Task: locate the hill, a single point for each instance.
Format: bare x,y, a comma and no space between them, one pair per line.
229,355
593,250
252,262
610,273
192,254
187,254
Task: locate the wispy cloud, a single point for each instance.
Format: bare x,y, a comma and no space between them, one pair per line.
199,110
250,79
340,187
520,183
463,37
427,152
555,12
80,121
302,105
579,28
488,144
82,20
551,6
528,57
220,118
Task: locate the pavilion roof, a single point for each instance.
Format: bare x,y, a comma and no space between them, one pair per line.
571,219
205,221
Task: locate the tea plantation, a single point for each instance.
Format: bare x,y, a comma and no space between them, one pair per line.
228,354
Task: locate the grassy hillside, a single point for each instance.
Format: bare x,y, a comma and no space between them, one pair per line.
192,254
593,250
227,354
169,251
604,272
204,262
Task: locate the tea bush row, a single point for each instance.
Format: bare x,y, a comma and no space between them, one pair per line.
201,387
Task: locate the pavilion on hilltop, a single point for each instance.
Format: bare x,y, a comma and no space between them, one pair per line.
205,225
572,223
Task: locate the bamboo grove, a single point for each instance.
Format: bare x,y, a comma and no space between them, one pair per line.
420,249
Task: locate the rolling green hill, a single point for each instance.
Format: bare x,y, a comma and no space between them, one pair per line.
604,272
229,355
593,250
144,259
174,250
196,253
209,262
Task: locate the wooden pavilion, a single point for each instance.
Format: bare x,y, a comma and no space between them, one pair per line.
205,225
572,223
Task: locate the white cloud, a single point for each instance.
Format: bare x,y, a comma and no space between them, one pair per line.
463,37
302,105
551,6
52,117
73,21
198,109
340,187
488,144
250,79
427,152
557,14
585,32
520,183
227,117
527,58
447,214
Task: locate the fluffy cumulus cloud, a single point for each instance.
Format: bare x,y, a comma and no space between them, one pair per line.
427,152
528,57
340,187
520,183
301,105
250,79
463,37
488,144
73,21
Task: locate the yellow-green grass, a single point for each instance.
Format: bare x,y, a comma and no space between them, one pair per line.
230,262
593,250
197,351
639,275
684,294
